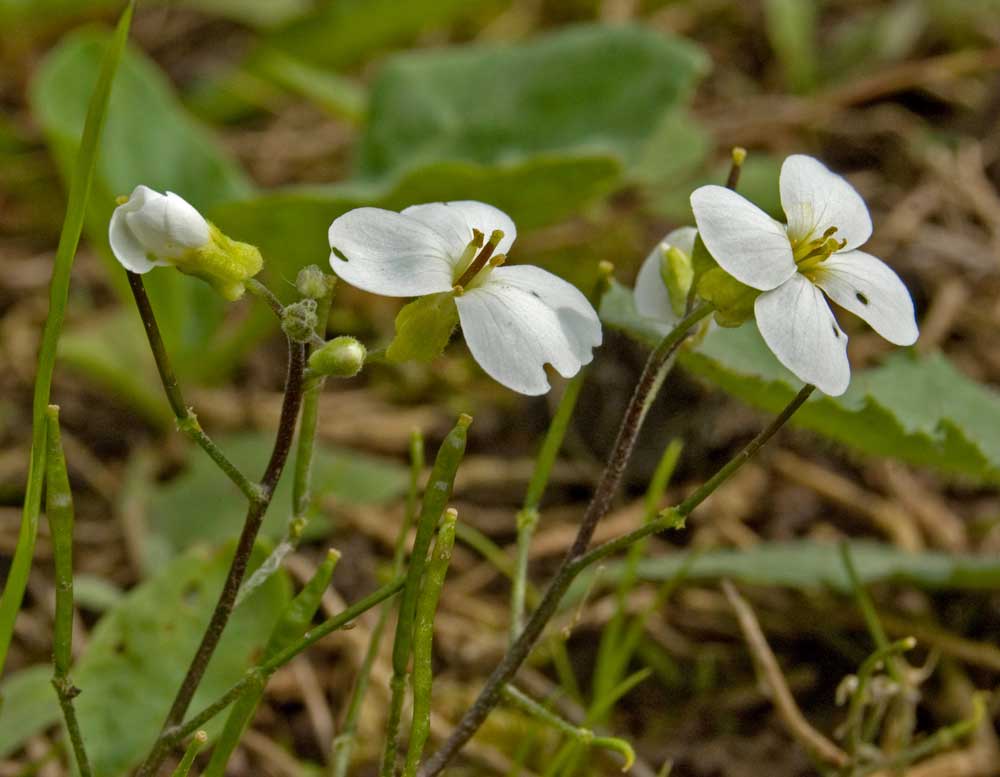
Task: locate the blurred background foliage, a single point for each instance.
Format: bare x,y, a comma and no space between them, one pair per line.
589,121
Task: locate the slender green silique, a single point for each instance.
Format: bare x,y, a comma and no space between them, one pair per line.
187,761
343,744
69,238
258,675
59,511
528,516
422,678
583,736
294,622
432,507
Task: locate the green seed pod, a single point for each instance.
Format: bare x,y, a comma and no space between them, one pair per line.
342,357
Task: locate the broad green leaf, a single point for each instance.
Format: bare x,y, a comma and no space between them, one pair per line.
140,650
343,32
28,704
201,506
495,103
805,564
919,410
259,13
290,224
423,328
137,657
149,139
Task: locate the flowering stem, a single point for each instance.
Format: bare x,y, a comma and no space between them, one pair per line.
244,548
642,397
187,421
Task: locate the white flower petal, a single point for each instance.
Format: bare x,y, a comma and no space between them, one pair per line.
869,288
799,327
746,242
166,224
814,199
456,220
522,318
652,299
125,245
385,252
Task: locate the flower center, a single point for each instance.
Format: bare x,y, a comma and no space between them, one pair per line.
810,252
478,265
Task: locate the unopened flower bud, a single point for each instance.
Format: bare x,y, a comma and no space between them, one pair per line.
298,320
342,357
149,229
312,282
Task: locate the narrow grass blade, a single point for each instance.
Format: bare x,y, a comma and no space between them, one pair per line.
79,193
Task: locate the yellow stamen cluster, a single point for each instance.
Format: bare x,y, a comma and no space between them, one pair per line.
810,253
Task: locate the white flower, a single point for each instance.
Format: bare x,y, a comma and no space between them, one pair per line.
515,319
652,297
150,230
827,222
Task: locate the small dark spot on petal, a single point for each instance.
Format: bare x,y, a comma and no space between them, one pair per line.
338,253
861,298
534,293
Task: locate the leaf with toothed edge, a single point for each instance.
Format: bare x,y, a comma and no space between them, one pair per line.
920,410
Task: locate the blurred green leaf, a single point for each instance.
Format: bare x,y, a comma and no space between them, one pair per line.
28,704
919,410
290,225
495,103
113,353
262,13
342,32
805,564
201,506
95,593
792,32
140,650
137,657
148,139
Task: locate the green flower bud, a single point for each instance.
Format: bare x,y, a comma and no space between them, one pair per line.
298,320
312,282
342,357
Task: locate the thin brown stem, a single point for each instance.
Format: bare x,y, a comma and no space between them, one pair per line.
244,548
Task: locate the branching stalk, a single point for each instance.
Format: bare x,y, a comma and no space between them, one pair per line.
645,392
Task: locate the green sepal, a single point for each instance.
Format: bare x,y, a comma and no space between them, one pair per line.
733,300
677,273
224,263
423,328
701,260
